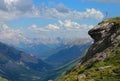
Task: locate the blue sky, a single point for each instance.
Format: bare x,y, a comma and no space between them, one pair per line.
110,6
46,20
79,5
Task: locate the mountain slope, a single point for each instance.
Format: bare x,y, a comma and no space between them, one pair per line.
69,53
60,71
40,50
102,61
3,79
18,66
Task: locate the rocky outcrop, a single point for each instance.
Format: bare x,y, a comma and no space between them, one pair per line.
105,34
101,62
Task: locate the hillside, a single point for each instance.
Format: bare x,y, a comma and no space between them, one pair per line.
66,58
18,66
40,50
2,79
68,54
102,60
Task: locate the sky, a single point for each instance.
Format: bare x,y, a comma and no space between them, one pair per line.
47,21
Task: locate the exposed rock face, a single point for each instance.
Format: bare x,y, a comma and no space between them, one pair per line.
105,35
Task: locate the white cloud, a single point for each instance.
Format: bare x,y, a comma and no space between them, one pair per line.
63,29
11,36
71,14
52,27
8,15
68,24
49,27
19,5
9,2
37,29
93,13
11,9
66,29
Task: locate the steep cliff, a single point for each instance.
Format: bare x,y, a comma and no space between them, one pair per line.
102,60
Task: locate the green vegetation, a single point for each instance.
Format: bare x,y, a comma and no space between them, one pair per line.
2,79
60,71
107,70
111,20
115,20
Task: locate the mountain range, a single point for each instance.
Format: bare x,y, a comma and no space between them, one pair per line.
19,66
46,50
22,66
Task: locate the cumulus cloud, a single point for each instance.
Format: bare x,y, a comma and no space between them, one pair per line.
65,29
68,24
71,14
62,29
11,9
37,29
53,27
61,25
11,5
49,27
11,36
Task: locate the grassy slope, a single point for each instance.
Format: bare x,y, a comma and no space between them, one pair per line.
107,70
60,71
112,20
2,79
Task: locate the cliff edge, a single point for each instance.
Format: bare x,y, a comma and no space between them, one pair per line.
102,60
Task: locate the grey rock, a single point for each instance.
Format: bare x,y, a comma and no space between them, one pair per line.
105,35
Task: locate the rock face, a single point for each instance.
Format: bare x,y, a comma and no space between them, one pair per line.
105,35
102,60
